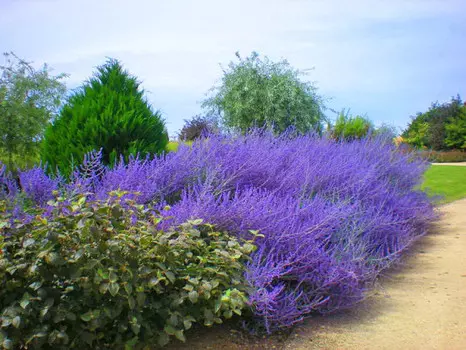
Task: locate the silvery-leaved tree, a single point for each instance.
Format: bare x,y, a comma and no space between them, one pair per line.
257,92
29,99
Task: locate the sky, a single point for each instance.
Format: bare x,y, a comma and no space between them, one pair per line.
386,59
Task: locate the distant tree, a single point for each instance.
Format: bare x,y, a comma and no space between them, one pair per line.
262,93
440,128
387,130
455,130
108,112
29,99
197,127
349,128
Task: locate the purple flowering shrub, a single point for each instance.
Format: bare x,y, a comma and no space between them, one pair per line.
37,186
8,186
333,214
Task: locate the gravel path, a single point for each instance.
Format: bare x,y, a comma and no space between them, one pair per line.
421,305
455,164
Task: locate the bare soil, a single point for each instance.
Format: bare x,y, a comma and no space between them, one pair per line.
455,164
421,304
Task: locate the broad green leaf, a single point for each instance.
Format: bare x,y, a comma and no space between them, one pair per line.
49,302
193,296
114,288
130,344
249,248
189,318
128,288
131,302
171,276
108,312
207,286
187,324
102,273
173,320
237,311
63,337
208,323
6,321
153,282
188,287
208,315
218,305
70,316
141,298
112,277
7,344
103,288
136,328
196,222
25,300
28,242
87,316
35,285
180,336
163,339
161,265
78,254
43,312
170,330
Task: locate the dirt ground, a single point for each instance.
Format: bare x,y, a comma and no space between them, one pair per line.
455,164
421,304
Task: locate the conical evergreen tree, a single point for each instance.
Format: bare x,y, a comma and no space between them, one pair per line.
108,112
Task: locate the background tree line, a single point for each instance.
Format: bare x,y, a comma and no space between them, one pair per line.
109,112
442,127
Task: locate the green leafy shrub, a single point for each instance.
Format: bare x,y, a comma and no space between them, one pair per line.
100,274
29,99
350,128
455,130
108,112
442,127
444,157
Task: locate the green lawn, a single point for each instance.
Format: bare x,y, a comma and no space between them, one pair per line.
448,181
173,145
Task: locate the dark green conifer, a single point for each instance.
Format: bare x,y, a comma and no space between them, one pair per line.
108,112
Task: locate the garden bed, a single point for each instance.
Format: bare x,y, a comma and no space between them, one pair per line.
325,218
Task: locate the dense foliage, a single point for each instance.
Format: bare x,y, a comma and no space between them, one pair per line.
262,93
197,127
333,214
349,127
444,156
108,112
442,127
29,99
100,275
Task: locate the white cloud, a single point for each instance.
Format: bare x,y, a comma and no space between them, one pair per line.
177,45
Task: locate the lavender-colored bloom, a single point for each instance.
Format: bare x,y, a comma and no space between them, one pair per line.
8,186
36,185
333,214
